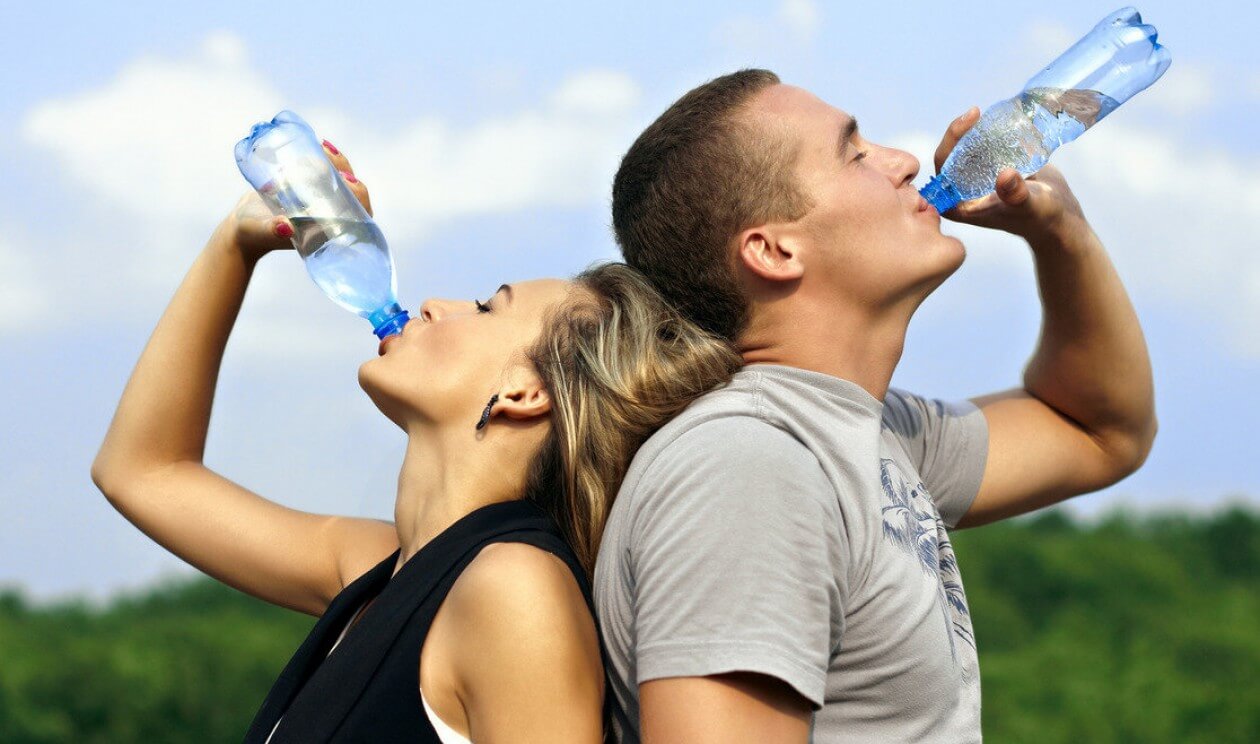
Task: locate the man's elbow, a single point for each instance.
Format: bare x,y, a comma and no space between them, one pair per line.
104,475
118,478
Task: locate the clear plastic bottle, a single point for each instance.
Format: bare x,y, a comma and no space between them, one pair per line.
1116,60
344,251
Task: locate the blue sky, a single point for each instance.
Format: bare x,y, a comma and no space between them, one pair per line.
488,135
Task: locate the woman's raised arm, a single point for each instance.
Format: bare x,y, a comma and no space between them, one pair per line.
150,464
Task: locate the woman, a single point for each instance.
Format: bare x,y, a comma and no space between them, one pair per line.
468,617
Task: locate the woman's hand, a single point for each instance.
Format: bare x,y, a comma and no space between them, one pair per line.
151,465
255,231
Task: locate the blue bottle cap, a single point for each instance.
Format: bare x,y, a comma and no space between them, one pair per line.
388,326
941,194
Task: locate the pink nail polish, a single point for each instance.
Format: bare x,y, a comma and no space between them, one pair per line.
284,230
349,176
331,148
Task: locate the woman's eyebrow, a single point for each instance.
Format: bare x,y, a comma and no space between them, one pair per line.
505,288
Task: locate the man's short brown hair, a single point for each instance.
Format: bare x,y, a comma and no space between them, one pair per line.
689,184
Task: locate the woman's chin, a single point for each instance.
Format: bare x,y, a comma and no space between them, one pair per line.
367,380
387,400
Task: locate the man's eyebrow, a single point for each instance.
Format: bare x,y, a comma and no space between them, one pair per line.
846,133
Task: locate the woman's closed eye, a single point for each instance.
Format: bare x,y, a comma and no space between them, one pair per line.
482,307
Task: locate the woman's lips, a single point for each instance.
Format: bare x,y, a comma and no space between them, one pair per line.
380,350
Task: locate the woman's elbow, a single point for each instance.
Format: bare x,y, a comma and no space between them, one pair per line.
1130,452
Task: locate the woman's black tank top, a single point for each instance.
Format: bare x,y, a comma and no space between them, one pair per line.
368,690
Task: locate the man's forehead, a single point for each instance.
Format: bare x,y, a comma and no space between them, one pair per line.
780,101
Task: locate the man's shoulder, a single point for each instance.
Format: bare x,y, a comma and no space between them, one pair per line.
719,443
908,415
719,425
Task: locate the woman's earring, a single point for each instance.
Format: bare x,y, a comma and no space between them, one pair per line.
485,415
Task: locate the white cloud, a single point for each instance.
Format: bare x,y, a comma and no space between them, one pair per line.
562,153
152,151
1184,89
1177,219
157,140
801,16
28,293
1048,39
598,92
794,20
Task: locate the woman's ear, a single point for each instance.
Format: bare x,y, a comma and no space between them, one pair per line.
524,400
770,255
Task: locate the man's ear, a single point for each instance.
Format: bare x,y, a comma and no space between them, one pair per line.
770,255
524,399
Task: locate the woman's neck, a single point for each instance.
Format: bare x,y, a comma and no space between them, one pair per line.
442,481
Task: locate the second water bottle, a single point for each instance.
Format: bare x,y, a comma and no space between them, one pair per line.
1116,60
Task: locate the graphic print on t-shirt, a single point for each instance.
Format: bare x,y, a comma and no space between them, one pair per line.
912,523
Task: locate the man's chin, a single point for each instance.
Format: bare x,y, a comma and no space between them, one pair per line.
960,248
951,254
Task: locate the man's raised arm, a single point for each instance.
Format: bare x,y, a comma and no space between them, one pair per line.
1085,416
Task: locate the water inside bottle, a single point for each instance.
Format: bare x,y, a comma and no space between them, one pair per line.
349,260
1020,133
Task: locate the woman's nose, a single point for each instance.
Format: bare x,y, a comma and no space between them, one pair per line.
433,309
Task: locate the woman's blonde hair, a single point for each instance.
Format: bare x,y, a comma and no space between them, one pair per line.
618,362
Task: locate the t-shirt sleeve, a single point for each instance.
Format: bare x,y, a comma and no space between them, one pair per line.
948,441
737,556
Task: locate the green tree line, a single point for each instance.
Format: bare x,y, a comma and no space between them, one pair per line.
1127,629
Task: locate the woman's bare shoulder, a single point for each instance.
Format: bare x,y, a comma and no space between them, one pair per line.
521,648
515,587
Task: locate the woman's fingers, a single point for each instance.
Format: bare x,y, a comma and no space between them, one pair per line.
342,164
957,128
359,190
338,158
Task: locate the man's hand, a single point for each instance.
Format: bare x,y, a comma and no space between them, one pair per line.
1038,208
1085,415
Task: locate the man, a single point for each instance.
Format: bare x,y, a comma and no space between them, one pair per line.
776,566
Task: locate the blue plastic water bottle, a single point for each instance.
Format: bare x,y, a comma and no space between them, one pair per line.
344,251
1116,60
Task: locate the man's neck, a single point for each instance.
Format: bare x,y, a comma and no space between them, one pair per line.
851,346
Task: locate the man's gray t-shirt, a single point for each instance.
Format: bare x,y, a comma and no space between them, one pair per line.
792,525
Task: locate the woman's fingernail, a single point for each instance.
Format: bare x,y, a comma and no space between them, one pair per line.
331,148
349,176
284,230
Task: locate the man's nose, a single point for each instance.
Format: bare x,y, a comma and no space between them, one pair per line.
901,166
908,168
